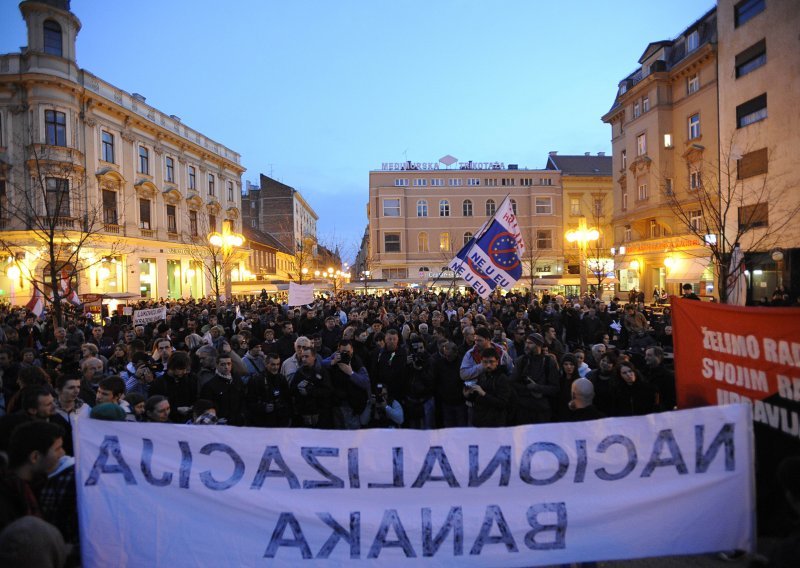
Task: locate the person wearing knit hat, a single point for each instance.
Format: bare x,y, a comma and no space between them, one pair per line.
108,411
569,374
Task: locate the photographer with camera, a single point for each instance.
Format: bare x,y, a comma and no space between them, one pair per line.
382,410
312,393
350,384
535,382
419,407
268,401
489,393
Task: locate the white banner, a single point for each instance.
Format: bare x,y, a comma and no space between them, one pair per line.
146,316
181,495
300,294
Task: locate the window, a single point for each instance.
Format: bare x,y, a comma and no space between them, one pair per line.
751,58
752,164
455,182
422,208
753,216
746,10
444,208
422,242
212,223
752,111
193,223
694,126
420,182
391,207
692,41
444,241
574,206
473,181
641,145
491,208
466,208
653,229
437,182
228,226
668,189
645,104
192,178
467,237
695,180
170,169
109,207
57,196
172,221
544,205
211,182
107,140
55,124
624,200
491,182
637,110
696,220
391,242
628,235
667,140
52,38
544,239
624,159
514,206
692,84
546,181
391,273
144,160
230,191
642,191
400,182
507,182
144,214
598,207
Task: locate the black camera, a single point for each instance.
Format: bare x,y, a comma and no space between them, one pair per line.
344,357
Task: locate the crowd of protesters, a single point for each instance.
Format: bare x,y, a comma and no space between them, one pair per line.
399,360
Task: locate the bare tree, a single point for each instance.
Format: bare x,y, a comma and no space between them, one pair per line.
597,260
728,202
531,258
217,252
50,214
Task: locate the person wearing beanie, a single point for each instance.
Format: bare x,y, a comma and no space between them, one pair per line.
569,374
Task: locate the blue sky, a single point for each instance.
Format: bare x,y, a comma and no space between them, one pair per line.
317,93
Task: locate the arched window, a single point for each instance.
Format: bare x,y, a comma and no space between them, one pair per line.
490,207
422,242
467,237
52,38
514,206
444,208
422,208
466,208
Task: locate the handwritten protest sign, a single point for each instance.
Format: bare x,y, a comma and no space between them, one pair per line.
141,317
730,354
184,495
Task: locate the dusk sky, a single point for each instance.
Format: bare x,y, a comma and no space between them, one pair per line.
318,93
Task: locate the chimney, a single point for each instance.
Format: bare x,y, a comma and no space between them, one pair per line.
601,153
587,153
553,153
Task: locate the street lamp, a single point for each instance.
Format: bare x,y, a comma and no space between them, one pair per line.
225,242
366,274
582,236
303,272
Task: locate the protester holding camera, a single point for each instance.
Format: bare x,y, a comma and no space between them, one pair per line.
268,400
535,383
418,405
312,393
350,382
490,393
382,410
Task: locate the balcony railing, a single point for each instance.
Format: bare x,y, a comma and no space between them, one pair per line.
111,228
148,233
173,236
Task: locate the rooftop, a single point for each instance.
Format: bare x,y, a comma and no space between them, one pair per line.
585,165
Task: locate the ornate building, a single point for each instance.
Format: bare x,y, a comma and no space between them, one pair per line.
126,187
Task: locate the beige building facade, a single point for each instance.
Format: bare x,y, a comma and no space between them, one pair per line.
155,183
421,214
759,82
664,144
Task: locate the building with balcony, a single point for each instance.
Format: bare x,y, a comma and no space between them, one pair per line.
96,160
665,146
759,129
421,214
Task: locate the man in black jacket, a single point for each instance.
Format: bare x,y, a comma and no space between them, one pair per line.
268,397
312,393
535,384
351,386
179,385
226,391
491,394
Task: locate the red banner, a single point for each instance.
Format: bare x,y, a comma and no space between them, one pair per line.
730,354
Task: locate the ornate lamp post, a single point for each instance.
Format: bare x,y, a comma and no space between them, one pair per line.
366,274
223,245
582,236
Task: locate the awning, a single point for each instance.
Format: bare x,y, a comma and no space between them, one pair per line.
687,270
